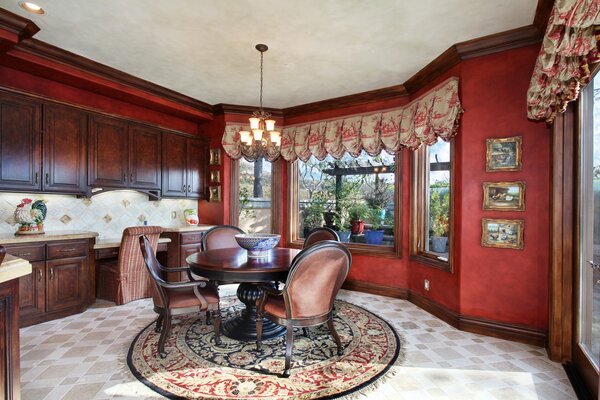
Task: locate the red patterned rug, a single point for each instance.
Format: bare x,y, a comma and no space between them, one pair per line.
196,368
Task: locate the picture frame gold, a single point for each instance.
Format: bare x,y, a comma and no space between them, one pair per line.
504,196
503,154
214,157
502,233
214,194
215,176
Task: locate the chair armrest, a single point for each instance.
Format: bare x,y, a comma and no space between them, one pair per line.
270,290
182,285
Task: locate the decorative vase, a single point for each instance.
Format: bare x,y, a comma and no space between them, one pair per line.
191,216
357,227
438,244
374,237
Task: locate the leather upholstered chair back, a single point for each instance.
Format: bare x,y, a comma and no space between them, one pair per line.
133,279
319,234
220,237
316,275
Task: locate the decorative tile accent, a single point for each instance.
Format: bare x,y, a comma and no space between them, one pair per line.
142,218
125,202
107,218
87,202
65,219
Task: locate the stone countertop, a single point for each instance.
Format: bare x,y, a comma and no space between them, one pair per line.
8,238
116,242
197,228
13,267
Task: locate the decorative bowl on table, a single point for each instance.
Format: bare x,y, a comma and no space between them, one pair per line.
257,244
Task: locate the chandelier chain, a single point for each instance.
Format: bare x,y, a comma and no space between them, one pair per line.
261,79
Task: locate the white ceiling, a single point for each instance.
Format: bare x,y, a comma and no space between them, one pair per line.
318,49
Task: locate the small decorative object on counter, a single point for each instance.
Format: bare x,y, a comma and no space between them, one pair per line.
31,215
257,244
191,216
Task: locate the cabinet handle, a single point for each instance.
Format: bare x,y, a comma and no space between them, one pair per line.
67,250
47,178
37,178
115,253
23,254
131,178
51,273
124,177
189,188
183,188
39,275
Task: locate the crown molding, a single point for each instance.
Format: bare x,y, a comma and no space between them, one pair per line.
220,109
387,93
507,40
21,27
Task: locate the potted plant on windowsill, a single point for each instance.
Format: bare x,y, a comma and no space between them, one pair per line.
357,214
312,216
374,235
342,225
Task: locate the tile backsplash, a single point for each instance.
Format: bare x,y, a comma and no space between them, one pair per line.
106,213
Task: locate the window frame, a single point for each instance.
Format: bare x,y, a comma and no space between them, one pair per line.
394,251
418,220
276,195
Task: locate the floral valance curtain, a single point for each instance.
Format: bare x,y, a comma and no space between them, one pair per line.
433,115
570,45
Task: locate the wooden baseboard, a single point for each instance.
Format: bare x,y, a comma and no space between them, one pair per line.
502,330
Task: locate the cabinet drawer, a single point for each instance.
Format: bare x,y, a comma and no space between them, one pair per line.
66,250
189,238
34,252
107,253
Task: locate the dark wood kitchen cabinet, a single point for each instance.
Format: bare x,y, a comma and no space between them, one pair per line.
184,166
181,246
123,155
20,143
64,150
9,341
60,282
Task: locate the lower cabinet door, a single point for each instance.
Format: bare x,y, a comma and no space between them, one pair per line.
32,291
186,251
66,283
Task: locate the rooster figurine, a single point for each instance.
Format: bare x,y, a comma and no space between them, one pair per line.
30,215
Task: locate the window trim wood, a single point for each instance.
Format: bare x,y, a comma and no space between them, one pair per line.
418,213
234,175
394,251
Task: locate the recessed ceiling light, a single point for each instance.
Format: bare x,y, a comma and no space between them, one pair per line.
31,7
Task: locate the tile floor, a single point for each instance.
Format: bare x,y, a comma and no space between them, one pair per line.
83,357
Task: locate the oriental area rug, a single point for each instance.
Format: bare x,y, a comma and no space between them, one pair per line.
196,368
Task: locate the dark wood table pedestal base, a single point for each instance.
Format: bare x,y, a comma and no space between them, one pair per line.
243,327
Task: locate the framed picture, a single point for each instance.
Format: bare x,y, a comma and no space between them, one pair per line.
214,194
504,196
215,157
215,176
502,233
503,154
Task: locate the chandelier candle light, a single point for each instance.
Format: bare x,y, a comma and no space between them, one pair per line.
255,142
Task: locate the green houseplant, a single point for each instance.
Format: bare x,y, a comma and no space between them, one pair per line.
374,235
312,215
439,209
357,214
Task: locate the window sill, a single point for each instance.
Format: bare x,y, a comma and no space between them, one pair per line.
362,249
432,261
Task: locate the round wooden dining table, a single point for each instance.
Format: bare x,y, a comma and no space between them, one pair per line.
234,266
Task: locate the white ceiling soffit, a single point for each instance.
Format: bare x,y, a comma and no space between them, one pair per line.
318,49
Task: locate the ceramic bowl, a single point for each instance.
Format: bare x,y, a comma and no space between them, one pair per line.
257,244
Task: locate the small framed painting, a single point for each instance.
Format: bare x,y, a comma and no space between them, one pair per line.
215,176
502,233
503,154
214,194
215,157
504,196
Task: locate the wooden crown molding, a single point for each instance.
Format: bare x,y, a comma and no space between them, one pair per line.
21,27
220,109
391,92
55,54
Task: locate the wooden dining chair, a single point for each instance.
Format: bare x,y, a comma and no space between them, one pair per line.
178,298
220,237
319,234
316,275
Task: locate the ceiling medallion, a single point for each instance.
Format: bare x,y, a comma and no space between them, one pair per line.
262,140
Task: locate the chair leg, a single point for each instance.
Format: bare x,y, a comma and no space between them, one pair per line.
259,326
159,322
306,332
335,335
289,343
216,321
208,319
166,329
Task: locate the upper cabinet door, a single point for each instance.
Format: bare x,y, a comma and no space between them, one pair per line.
108,152
20,137
197,153
144,158
64,146
174,171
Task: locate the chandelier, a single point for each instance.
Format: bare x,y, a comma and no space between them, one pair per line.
262,139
